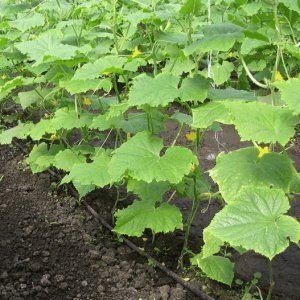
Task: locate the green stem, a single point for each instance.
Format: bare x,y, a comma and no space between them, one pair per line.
264,86
108,135
116,88
177,136
114,30
115,205
271,280
188,224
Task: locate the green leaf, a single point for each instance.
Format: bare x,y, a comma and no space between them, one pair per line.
255,220
140,215
192,7
290,93
76,86
221,73
230,94
164,85
83,190
269,124
291,4
47,47
205,115
94,173
8,86
182,118
252,8
194,89
103,122
66,159
20,131
41,158
243,167
29,98
212,244
27,22
68,119
152,191
218,37
109,64
136,122
215,267
41,128
140,158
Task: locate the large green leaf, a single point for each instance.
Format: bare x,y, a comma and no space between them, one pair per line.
28,98
205,115
47,47
194,89
158,91
290,93
221,72
66,159
255,220
191,7
76,86
140,158
215,267
218,37
243,167
152,191
68,119
94,173
212,245
269,124
140,215
20,131
28,21
41,128
230,94
41,158
292,4
108,64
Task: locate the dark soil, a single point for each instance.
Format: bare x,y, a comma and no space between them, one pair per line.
51,250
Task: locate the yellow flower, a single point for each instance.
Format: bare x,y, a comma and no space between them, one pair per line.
53,137
136,52
263,151
278,76
86,101
106,73
191,136
192,168
3,76
46,116
230,55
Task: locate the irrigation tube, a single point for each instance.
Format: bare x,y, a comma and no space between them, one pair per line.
130,244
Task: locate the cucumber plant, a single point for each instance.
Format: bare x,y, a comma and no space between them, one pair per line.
98,82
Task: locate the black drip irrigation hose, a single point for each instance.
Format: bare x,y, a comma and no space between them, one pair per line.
130,244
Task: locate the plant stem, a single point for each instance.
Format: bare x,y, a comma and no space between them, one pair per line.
116,88
177,136
114,26
271,280
264,86
190,219
115,205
